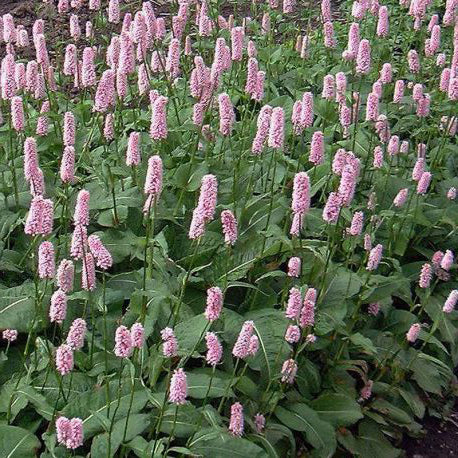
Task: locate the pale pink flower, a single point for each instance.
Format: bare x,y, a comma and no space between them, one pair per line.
76,334
357,223
237,35
69,129
214,303
214,349
17,114
317,148
418,169
153,182
301,192
398,91
113,11
378,157
81,214
373,308
423,183
64,277
79,242
294,267
363,58
447,260
451,301
133,149
413,333
289,371
64,359
226,114
293,307
178,387
413,61
123,342
329,37
137,334
105,93
101,254
67,166
375,257
170,343
400,198
425,276
158,129
366,391
236,422
332,208
277,128
88,273
382,24
451,193
229,224
208,197
242,345
46,262
293,334
58,307
9,334
259,423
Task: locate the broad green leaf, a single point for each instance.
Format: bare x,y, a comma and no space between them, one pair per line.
300,417
337,409
17,442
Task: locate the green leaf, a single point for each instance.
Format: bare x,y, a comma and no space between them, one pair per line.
364,342
198,384
337,409
226,446
189,332
17,442
136,424
300,417
17,307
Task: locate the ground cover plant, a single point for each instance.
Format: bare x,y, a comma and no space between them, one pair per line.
227,229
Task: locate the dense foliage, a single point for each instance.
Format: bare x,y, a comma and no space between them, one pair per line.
245,247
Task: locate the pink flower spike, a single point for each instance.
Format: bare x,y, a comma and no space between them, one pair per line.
447,260
67,166
64,359
259,423
294,267
88,273
46,262
289,371
236,422
76,334
293,307
170,343
101,254
58,308
123,342
178,387
317,148
277,128
451,301
293,334
425,276
423,183
242,345
10,335
375,257
214,349
214,303
133,150
413,333
137,333
81,215
229,224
